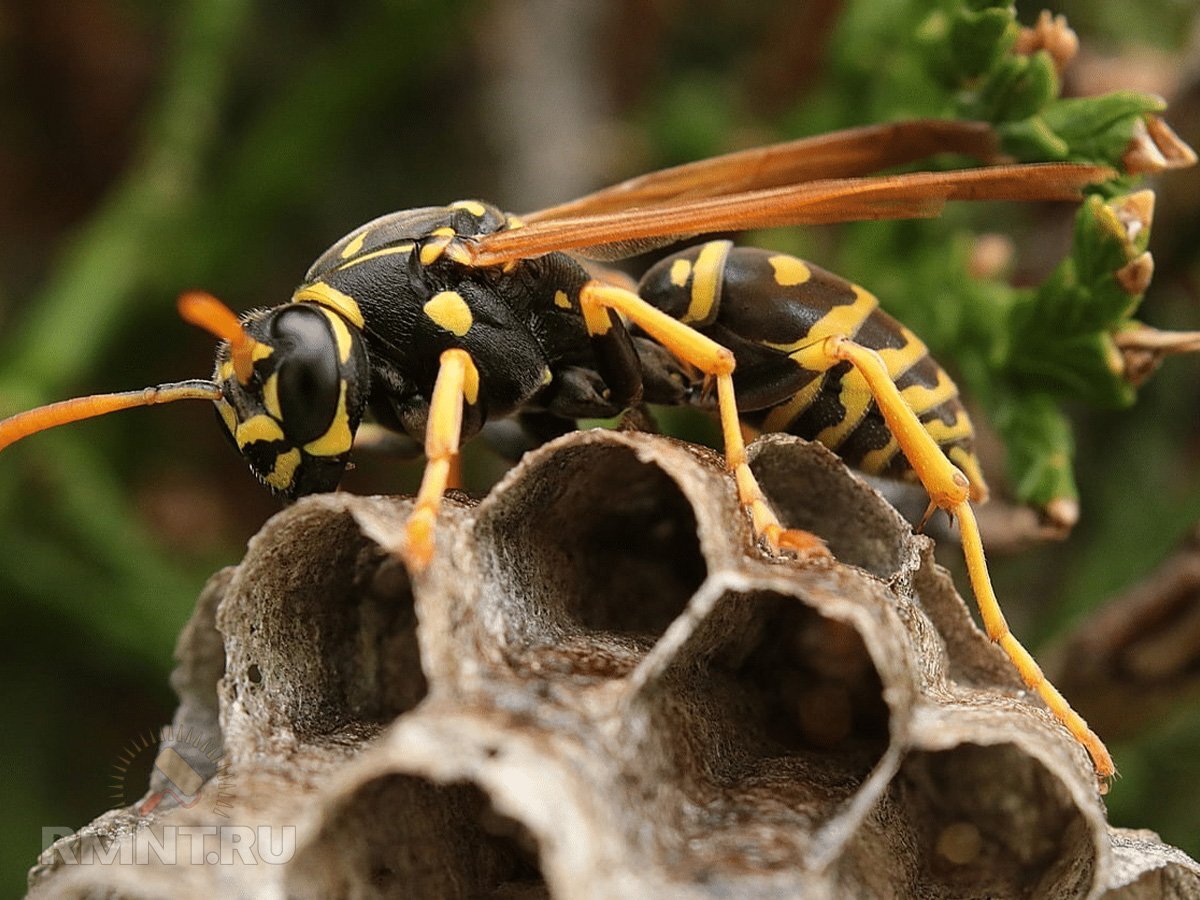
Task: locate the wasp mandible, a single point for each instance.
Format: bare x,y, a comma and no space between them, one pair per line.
434,321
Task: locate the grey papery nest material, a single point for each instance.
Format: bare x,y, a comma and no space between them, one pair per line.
600,688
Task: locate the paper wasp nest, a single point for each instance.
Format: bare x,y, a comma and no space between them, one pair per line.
601,689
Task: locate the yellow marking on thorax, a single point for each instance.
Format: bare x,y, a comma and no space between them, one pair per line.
341,334
322,293
471,382
271,397
337,438
681,270
225,371
284,470
514,222
355,244
474,207
789,271
562,300
435,246
843,320
706,280
375,254
257,429
596,319
450,311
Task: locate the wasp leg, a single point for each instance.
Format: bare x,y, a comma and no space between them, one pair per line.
457,380
602,303
949,489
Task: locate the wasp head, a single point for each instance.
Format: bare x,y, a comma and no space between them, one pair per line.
293,388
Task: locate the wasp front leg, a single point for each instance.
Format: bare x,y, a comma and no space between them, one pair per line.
601,302
457,381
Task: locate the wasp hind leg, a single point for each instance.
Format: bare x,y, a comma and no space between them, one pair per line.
457,381
602,303
949,489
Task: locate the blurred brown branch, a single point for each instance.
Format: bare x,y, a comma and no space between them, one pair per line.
1137,658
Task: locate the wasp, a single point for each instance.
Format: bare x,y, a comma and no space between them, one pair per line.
435,321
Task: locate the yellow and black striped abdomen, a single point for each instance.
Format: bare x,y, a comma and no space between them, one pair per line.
768,308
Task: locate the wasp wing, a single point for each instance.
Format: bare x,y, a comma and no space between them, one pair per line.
838,154
909,196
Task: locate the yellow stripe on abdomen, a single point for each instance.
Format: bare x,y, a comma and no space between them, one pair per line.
706,274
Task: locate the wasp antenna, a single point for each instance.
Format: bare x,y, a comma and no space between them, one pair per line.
24,424
206,311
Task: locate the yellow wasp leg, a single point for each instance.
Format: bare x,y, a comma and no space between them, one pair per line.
457,380
948,489
597,299
1031,672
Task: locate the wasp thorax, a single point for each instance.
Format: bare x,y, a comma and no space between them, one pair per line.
294,416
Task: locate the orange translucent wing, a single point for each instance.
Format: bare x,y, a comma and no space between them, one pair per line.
838,154
914,195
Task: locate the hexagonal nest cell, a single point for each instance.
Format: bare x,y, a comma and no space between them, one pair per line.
602,688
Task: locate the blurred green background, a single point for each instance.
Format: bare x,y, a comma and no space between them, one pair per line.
151,147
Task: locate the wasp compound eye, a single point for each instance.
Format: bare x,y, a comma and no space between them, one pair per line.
308,382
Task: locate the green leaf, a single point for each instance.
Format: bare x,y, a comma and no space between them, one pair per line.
1018,88
979,39
1040,447
1103,239
1060,335
1081,129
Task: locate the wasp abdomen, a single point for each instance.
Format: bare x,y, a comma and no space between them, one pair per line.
768,308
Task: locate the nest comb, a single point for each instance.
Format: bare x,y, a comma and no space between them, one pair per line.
599,689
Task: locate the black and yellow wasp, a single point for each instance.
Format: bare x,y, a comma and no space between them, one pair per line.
434,321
